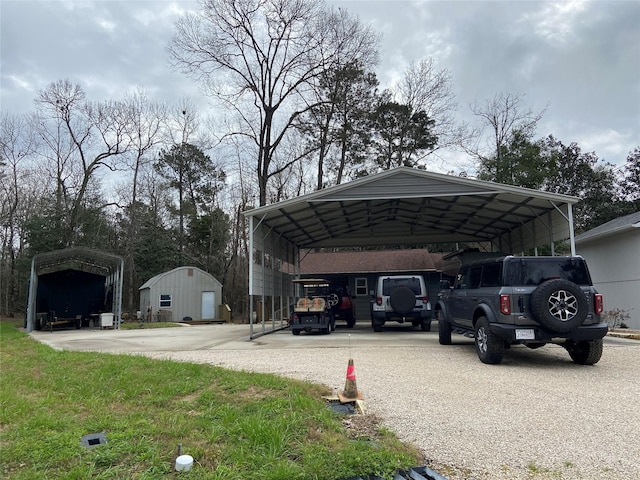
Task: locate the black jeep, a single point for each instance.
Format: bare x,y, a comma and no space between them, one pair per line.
524,300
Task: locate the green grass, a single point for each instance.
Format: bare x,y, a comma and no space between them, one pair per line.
235,425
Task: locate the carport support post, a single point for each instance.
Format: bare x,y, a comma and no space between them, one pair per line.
571,234
251,232
31,302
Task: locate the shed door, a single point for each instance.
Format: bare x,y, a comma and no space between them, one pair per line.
208,304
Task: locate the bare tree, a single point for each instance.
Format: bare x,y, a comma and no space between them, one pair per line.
145,133
260,58
183,124
505,115
17,144
425,88
83,137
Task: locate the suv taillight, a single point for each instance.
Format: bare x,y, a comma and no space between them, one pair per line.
378,300
425,300
505,304
598,303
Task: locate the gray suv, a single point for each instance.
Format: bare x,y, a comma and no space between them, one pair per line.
524,300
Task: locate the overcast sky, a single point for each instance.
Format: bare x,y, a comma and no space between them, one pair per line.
579,59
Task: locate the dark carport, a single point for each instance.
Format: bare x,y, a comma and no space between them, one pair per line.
75,283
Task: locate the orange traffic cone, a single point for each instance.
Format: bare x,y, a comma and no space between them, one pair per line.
351,392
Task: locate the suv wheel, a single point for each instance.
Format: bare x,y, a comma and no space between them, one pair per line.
585,353
402,300
444,329
559,305
489,347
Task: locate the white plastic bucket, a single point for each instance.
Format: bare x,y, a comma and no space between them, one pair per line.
184,463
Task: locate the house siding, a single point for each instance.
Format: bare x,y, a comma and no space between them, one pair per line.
614,263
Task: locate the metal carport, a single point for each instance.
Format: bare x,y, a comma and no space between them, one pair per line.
103,269
403,206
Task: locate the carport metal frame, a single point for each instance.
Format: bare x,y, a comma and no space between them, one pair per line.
76,258
403,206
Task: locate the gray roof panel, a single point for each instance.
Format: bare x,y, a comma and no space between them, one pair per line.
409,206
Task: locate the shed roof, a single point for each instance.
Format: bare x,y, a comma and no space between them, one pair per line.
153,280
612,227
407,206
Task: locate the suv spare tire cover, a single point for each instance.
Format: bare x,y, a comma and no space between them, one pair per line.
402,300
559,305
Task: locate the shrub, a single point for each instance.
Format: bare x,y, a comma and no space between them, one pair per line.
616,318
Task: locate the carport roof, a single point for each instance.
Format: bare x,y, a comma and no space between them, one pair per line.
407,206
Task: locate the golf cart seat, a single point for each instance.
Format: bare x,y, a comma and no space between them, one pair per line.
315,304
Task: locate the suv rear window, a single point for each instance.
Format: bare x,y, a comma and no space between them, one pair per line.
390,284
536,271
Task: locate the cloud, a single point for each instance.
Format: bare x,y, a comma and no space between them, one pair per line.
581,58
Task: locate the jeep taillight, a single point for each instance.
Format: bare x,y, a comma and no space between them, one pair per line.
425,300
378,300
505,304
598,303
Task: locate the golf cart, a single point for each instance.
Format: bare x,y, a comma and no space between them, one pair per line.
314,309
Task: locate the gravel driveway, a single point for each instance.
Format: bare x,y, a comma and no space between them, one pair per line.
537,415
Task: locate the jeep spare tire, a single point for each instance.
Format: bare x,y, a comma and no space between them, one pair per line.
559,305
402,300
333,300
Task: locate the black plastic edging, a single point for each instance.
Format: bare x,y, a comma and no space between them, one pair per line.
415,473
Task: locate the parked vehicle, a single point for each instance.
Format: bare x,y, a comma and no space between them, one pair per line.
400,298
314,309
524,300
342,303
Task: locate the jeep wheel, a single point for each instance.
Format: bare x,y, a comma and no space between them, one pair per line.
295,332
444,329
585,353
402,300
559,305
377,327
489,347
351,322
426,326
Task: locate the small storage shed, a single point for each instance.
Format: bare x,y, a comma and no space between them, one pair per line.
612,251
181,293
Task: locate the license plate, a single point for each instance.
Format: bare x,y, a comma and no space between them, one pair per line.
525,334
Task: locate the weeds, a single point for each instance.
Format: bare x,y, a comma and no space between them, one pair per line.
616,318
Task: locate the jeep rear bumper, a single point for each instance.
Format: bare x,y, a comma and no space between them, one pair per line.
381,317
533,333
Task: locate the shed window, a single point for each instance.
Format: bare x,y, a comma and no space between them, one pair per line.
165,300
